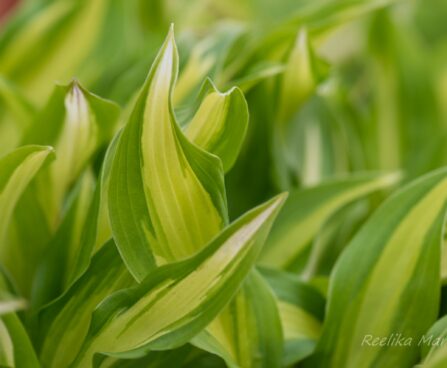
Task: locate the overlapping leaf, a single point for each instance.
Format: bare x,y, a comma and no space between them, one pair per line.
176,202
301,310
176,301
307,210
389,273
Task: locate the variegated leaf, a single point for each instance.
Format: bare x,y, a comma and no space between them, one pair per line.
178,300
396,276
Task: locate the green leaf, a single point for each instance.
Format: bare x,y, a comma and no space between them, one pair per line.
176,201
96,231
220,124
63,324
306,210
247,333
388,274
17,169
76,123
15,348
432,343
176,301
54,272
301,309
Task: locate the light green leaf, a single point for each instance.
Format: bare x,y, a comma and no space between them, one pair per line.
15,347
306,210
197,67
220,123
176,301
59,334
177,201
301,309
299,79
247,333
54,272
432,344
77,123
17,169
388,274
296,84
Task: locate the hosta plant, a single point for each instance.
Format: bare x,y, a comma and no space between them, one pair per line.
265,188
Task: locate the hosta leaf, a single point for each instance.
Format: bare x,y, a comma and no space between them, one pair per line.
299,79
77,123
433,352
185,356
176,201
17,169
97,229
248,331
388,274
257,74
301,310
195,70
296,84
306,210
54,272
176,301
59,334
220,123
75,23
15,348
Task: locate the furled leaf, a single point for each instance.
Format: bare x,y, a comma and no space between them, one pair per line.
176,301
388,274
306,210
176,202
76,123
220,123
17,169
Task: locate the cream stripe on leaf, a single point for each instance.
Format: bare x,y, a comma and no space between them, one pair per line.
432,345
166,195
247,332
396,255
306,210
177,301
59,335
220,124
183,187
76,123
17,169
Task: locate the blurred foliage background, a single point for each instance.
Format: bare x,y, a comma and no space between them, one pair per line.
333,86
